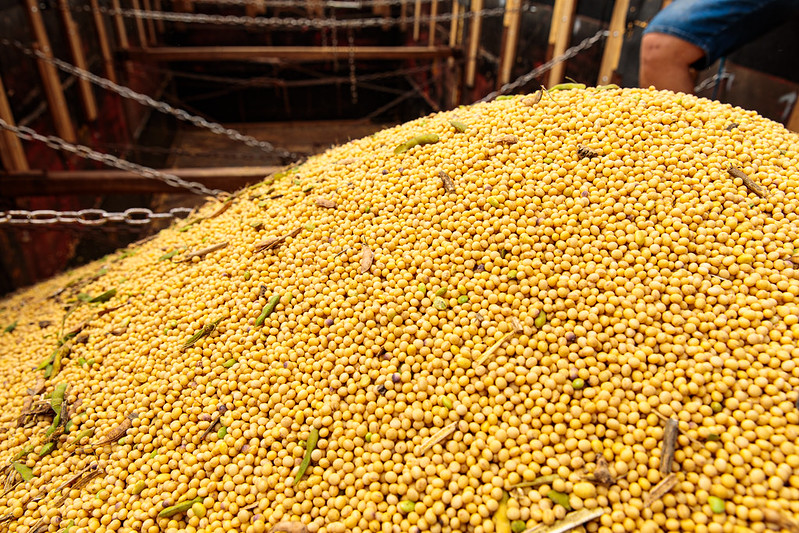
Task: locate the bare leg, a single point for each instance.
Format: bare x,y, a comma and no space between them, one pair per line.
666,62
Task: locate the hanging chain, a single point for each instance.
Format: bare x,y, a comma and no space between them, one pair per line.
353,79
585,44
143,99
344,4
286,23
136,216
57,143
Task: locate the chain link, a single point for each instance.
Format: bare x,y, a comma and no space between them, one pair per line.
145,100
85,152
585,44
135,216
283,22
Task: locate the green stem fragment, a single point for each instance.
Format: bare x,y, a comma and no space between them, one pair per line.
504,97
57,400
181,507
169,255
69,527
23,452
560,498
567,86
104,297
313,438
204,332
427,138
11,327
24,471
47,449
268,309
459,126
608,87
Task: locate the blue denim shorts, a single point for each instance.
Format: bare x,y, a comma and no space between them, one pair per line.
720,26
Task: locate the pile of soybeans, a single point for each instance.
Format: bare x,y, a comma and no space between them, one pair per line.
572,310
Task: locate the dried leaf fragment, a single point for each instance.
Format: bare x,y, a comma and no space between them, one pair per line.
273,242
602,472
289,527
750,184
201,253
507,139
438,437
571,521
203,332
669,443
661,489
532,99
326,203
585,152
780,519
366,259
116,433
517,329
449,185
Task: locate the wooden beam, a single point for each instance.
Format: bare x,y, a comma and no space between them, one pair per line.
287,53
139,23
79,60
119,22
510,40
49,75
433,13
102,38
474,42
553,28
417,19
564,22
66,182
151,39
612,52
12,154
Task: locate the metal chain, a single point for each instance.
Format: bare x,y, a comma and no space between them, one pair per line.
585,44
135,216
353,79
58,143
286,23
143,99
342,4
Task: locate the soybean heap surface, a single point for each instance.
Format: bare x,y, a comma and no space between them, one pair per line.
484,329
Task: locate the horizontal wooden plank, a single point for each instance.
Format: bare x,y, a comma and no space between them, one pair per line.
286,53
70,182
